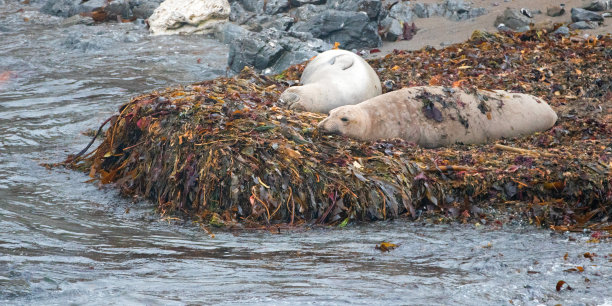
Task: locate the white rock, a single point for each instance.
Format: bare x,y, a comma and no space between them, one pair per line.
188,16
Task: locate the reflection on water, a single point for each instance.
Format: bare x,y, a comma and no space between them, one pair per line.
65,241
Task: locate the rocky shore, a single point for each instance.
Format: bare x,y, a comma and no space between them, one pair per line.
271,35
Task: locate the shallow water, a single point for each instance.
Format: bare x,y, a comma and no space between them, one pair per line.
64,241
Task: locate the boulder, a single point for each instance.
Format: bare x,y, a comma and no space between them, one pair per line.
583,25
598,5
401,12
563,30
555,11
143,9
307,11
579,14
513,19
229,32
426,10
272,51
67,8
273,7
188,16
391,29
459,10
118,9
353,30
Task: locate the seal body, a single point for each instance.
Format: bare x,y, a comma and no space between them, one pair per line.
433,116
332,79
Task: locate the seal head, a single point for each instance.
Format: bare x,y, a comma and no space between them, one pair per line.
348,120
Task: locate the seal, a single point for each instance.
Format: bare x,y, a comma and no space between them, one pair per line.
434,116
332,79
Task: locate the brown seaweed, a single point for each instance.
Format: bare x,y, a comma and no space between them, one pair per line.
222,152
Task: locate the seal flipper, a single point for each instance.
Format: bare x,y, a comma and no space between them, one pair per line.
343,61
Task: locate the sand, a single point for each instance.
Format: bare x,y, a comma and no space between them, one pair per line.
439,31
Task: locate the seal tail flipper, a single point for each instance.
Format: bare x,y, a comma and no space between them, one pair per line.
343,61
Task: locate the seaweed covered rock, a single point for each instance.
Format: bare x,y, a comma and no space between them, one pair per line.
222,151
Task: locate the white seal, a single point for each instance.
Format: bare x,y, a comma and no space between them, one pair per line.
433,116
332,79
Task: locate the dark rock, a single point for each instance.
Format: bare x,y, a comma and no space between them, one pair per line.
373,8
307,11
118,8
256,6
238,14
67,8
274,7
297,3
579,14
583,25
283,23
598,5
353,30
229,32
513,19
555,11
144,9
563,30
271,51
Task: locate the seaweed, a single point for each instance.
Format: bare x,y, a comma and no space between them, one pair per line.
222,153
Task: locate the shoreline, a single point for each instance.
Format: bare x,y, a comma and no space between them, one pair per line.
439,32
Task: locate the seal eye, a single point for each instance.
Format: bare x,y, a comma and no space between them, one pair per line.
344,119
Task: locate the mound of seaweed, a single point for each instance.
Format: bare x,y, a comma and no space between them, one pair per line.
222,152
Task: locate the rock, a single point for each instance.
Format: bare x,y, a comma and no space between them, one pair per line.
563,30
298,3
307,11
401,12
274,7
555,11
391,29
353,30
118,8
144,9
426,10
283,23
238,14
228,32
272,51
598,5
458,10
67,8
583,25
76,19
188,16
513,19
579,14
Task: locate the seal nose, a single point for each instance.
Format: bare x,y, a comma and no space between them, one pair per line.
324,129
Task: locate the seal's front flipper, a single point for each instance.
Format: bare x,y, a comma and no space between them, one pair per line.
343,61
288,98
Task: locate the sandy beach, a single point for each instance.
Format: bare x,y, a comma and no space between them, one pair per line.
439,31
